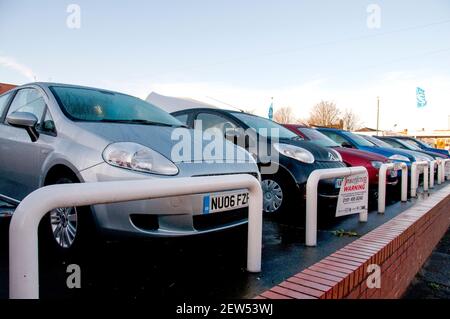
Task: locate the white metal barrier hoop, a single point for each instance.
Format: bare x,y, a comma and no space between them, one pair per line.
382,183
433,165
440,171
311,197
445,175
415,176
23,231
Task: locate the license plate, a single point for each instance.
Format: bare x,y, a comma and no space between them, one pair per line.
214,203
338,182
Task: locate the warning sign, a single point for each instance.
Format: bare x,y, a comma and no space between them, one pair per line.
353,195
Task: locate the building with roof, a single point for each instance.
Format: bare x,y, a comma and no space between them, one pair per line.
6,87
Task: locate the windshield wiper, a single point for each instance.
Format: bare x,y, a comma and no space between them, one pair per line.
138,121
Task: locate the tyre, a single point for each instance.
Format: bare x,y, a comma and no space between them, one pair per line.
67,230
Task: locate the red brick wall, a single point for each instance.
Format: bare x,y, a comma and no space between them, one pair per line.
399,247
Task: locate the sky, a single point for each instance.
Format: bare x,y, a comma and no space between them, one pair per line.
242,53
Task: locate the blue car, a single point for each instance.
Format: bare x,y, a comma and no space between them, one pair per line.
424,146
351,140
403,144
418,155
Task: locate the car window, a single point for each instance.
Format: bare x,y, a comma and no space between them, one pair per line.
359,140
395,144
335,137
317,137
3,101
210,120
414,143
95,105
265,127
28,100
183,118
408,146
48,125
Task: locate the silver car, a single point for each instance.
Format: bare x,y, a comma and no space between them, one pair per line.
57,133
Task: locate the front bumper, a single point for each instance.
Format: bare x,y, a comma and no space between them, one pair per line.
164,217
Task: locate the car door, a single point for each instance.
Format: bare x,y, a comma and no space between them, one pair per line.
210,120
4,102
20,171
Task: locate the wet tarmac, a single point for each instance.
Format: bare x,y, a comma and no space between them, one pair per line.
433,280
207,266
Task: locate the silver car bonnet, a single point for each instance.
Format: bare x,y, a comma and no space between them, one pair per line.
159,138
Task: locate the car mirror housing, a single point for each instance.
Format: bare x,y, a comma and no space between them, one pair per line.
347,145
24,120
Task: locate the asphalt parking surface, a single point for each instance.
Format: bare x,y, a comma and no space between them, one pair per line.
433,280
210,266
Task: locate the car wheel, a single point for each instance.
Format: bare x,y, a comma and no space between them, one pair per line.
276,194
67,229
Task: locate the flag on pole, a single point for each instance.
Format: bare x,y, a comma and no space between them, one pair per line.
420,96
271,110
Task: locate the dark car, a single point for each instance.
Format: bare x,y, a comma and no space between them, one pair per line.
404,144
351,157
284,188
423,145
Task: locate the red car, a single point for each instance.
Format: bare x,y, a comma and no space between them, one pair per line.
351,157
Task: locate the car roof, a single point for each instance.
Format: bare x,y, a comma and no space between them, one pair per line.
224,111
328,129
49,84
298,125
174,104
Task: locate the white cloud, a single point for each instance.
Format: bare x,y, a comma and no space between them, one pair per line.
11,63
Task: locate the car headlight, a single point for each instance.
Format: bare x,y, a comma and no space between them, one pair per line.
376,164
398,157
295,152
139,158
335,156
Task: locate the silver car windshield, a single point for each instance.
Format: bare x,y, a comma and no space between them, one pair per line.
94,105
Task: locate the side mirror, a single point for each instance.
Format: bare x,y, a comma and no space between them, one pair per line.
346,144
24,120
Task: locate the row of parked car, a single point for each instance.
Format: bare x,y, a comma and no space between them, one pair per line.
56,133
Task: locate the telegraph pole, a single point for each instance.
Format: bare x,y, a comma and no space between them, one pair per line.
378,114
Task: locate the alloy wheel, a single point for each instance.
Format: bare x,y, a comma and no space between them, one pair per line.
64,223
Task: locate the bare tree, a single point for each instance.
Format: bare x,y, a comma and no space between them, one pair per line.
350,120
324,113
284,115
